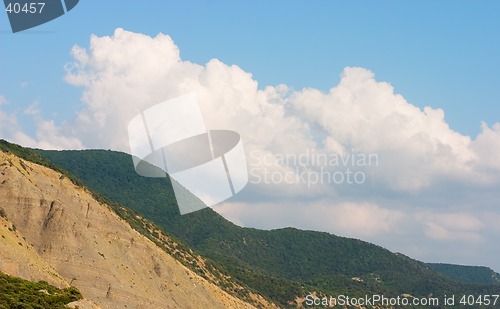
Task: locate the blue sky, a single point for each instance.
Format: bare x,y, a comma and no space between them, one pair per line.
354,75
441,54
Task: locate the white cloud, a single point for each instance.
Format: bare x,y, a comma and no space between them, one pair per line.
438,232
7,124
364,220
422,162
121,76
128,72
487,145
48,134
368,116
3,100
453,226
51,136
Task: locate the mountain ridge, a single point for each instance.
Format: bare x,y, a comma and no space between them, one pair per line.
468,273
268,258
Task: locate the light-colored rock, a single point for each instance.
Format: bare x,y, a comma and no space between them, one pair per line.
83,304
18,258
72,239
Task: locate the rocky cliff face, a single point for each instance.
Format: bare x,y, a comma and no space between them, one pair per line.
57,232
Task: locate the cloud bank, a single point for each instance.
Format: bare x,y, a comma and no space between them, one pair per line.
430,188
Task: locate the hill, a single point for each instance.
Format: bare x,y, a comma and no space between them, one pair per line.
55,230
283,265
471,274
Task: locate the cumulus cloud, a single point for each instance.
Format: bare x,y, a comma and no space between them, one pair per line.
8,123
128,72
12,131
439,232
420,159
487,146
369,116
51,136
48,134
124,74
353,219
453,226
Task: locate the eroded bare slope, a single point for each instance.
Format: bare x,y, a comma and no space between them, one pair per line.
69,238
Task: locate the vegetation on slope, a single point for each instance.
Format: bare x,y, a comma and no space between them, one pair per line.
471,274
280,264
23,294
207,269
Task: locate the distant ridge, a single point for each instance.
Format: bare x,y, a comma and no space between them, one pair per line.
470,274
